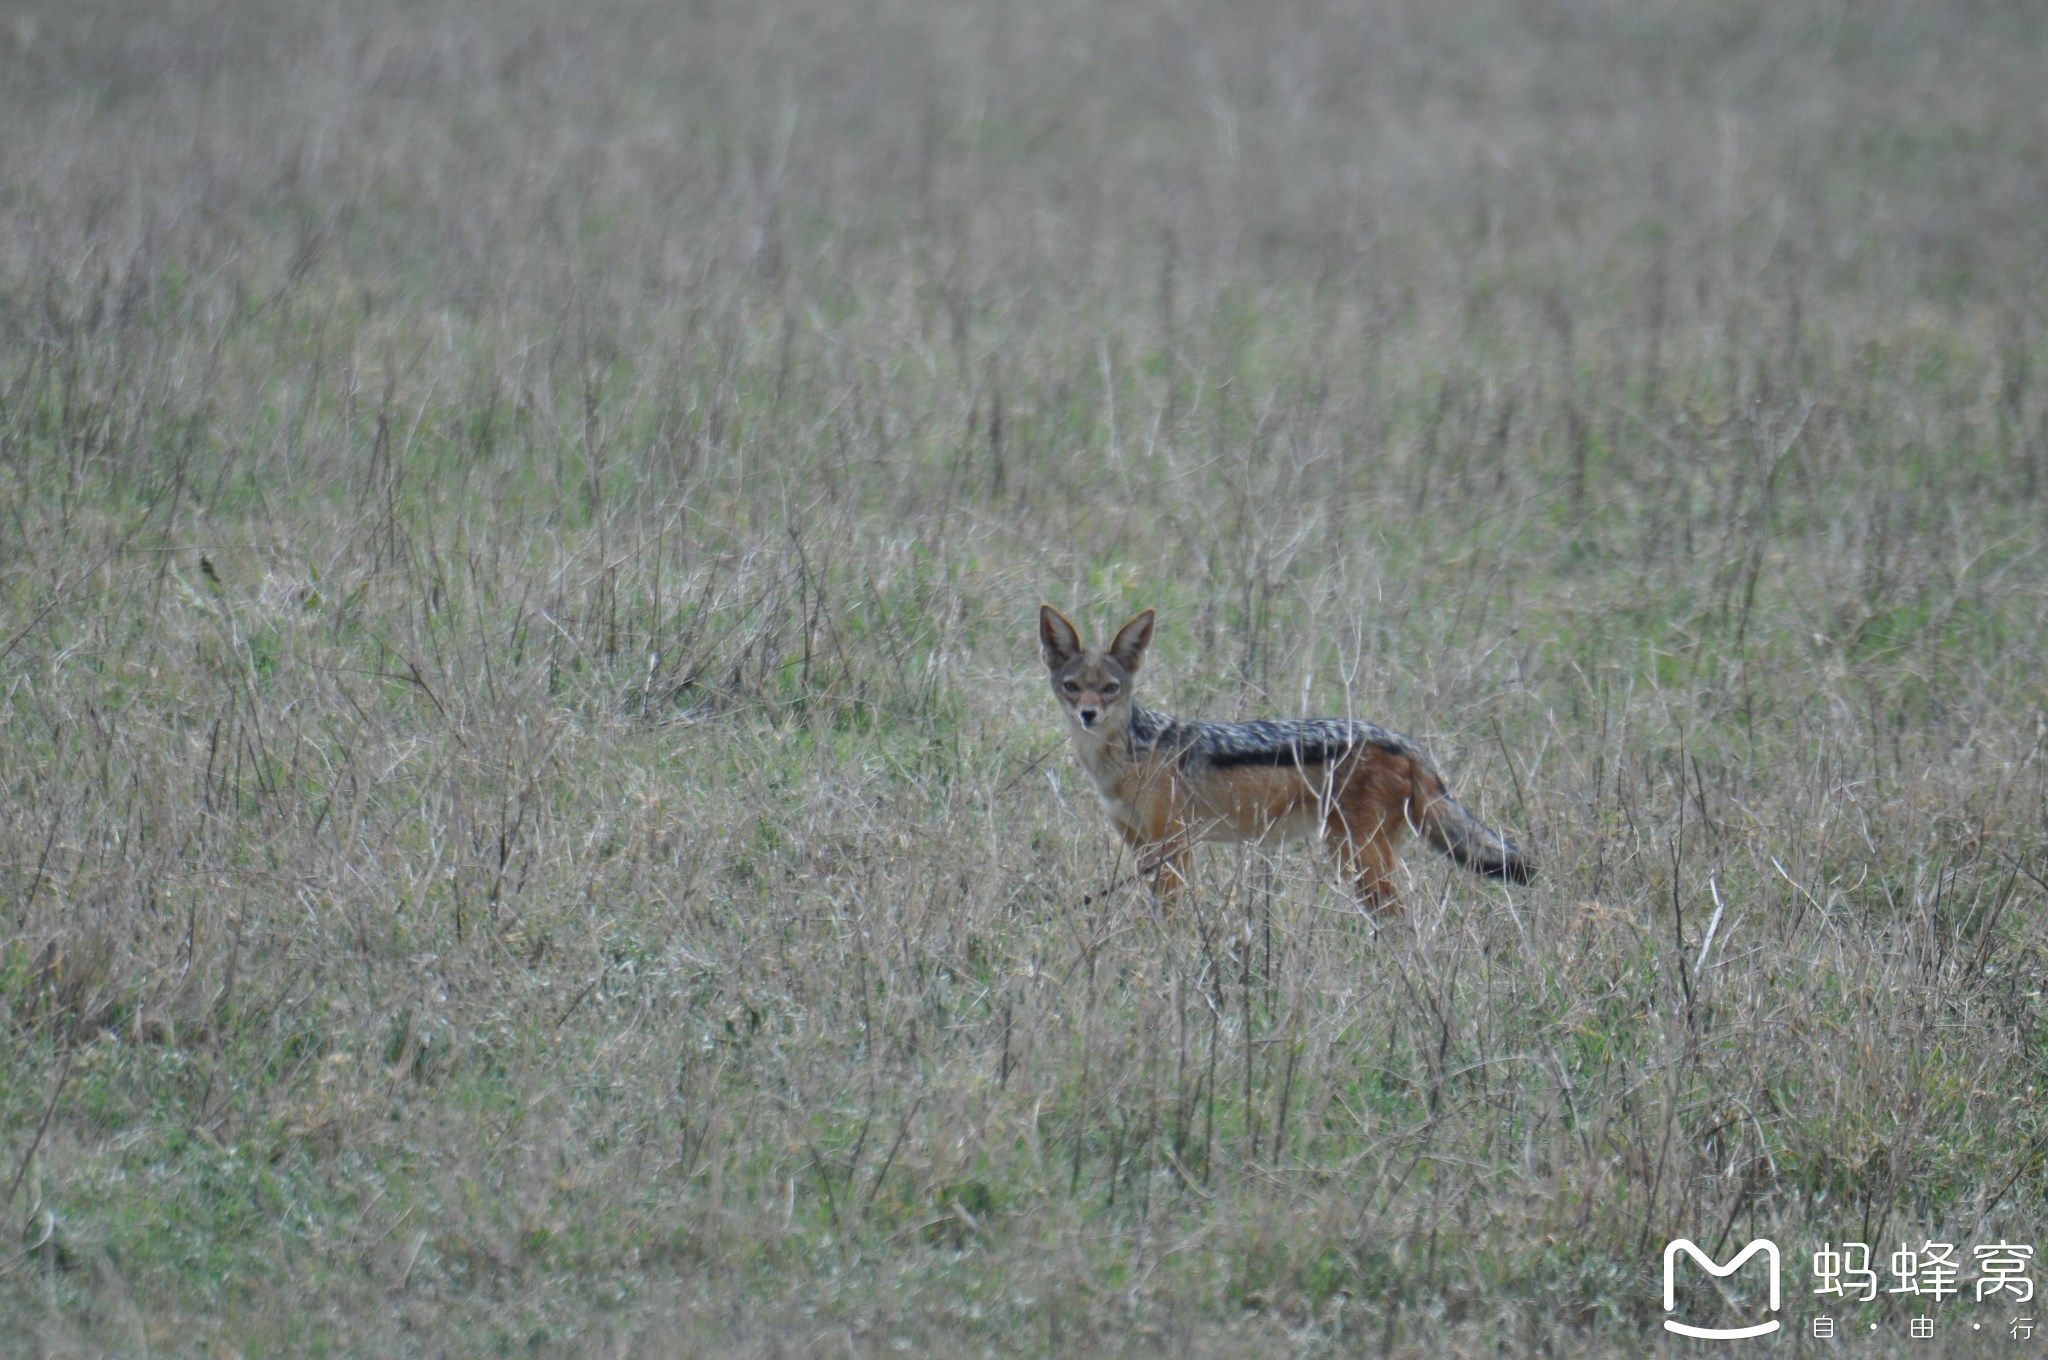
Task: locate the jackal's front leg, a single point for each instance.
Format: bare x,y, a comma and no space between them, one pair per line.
1165,863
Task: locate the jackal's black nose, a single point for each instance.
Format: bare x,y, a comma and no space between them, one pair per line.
1087,716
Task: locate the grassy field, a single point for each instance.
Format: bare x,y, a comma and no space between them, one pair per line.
530,819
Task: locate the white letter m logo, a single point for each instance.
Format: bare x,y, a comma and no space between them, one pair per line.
1671,1250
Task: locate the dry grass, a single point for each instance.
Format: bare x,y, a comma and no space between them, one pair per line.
531,823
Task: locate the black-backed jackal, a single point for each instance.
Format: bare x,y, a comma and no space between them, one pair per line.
1168,784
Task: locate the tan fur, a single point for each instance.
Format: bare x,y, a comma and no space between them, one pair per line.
1168,786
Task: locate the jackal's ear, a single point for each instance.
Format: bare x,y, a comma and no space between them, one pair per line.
1057,637
1131,641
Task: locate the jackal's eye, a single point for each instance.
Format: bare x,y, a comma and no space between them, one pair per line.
1071,686
1110,688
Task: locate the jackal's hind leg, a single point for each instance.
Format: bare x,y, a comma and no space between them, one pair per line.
1369,860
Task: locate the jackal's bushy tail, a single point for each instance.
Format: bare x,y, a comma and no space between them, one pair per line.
1446,824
